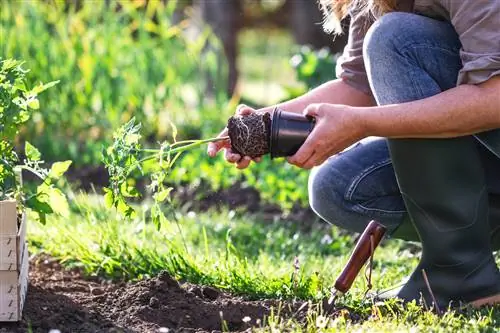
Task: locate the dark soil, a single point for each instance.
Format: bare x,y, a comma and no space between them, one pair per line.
250,134
67,301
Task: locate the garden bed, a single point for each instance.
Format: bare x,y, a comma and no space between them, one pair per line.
68,301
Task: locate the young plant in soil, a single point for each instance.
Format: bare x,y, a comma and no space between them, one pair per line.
17,104
126,159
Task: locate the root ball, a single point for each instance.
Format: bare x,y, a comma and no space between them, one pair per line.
250,134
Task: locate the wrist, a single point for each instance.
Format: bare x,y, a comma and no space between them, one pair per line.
364,121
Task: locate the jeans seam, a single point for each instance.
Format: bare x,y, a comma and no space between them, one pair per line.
357,180
423,45
379,210
403,51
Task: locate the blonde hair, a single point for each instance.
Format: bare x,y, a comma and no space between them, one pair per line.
336,10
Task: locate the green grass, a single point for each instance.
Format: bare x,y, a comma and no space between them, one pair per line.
248,257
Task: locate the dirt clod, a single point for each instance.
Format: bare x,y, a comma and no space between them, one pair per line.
210,293
250,134
154,302
97,291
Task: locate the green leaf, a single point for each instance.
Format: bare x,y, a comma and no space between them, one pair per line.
41,208
131,139
58,169
109,199
125,209
174,131
157,216
58,202
31,152
34,103
162,195
129,191
42,218
55,198
41,87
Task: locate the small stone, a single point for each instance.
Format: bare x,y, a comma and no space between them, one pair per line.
154,302
210,293
97,291
165,277
163,330
196,291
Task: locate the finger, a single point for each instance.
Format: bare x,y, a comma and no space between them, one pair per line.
244,110
244,162
311,110
214,147
257,159
231,156
315,161
311,162
304,153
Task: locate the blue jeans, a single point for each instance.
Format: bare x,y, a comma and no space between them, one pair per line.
420,57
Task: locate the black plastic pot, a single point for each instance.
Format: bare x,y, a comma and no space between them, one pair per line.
288,132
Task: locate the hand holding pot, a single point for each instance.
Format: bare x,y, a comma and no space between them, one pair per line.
241,162
337,127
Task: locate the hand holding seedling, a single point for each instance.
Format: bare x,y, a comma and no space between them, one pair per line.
337,127
230,155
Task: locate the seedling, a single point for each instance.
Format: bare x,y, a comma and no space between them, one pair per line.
251,135
126,157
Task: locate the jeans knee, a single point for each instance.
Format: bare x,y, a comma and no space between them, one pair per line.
317,190
381,38
324,198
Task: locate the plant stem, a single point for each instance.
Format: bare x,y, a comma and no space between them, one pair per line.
33,171
182,148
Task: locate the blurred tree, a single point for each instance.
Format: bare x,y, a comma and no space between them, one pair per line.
224,17
302,17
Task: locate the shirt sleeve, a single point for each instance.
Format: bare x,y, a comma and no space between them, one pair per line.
478,26
350,65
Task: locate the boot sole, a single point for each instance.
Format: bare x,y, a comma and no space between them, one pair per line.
492,300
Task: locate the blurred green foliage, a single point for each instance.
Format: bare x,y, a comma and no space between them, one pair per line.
121,59
314,67
115,60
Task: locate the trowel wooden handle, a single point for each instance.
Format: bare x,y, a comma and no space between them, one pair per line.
360,255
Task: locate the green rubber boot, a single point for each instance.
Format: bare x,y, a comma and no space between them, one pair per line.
443,186
406,231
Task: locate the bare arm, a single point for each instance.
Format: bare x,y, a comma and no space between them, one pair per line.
463,110
466,109
332,92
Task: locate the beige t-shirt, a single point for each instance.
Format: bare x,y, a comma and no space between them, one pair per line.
477,23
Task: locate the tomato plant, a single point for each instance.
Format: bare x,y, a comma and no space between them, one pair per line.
127,155
17,104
